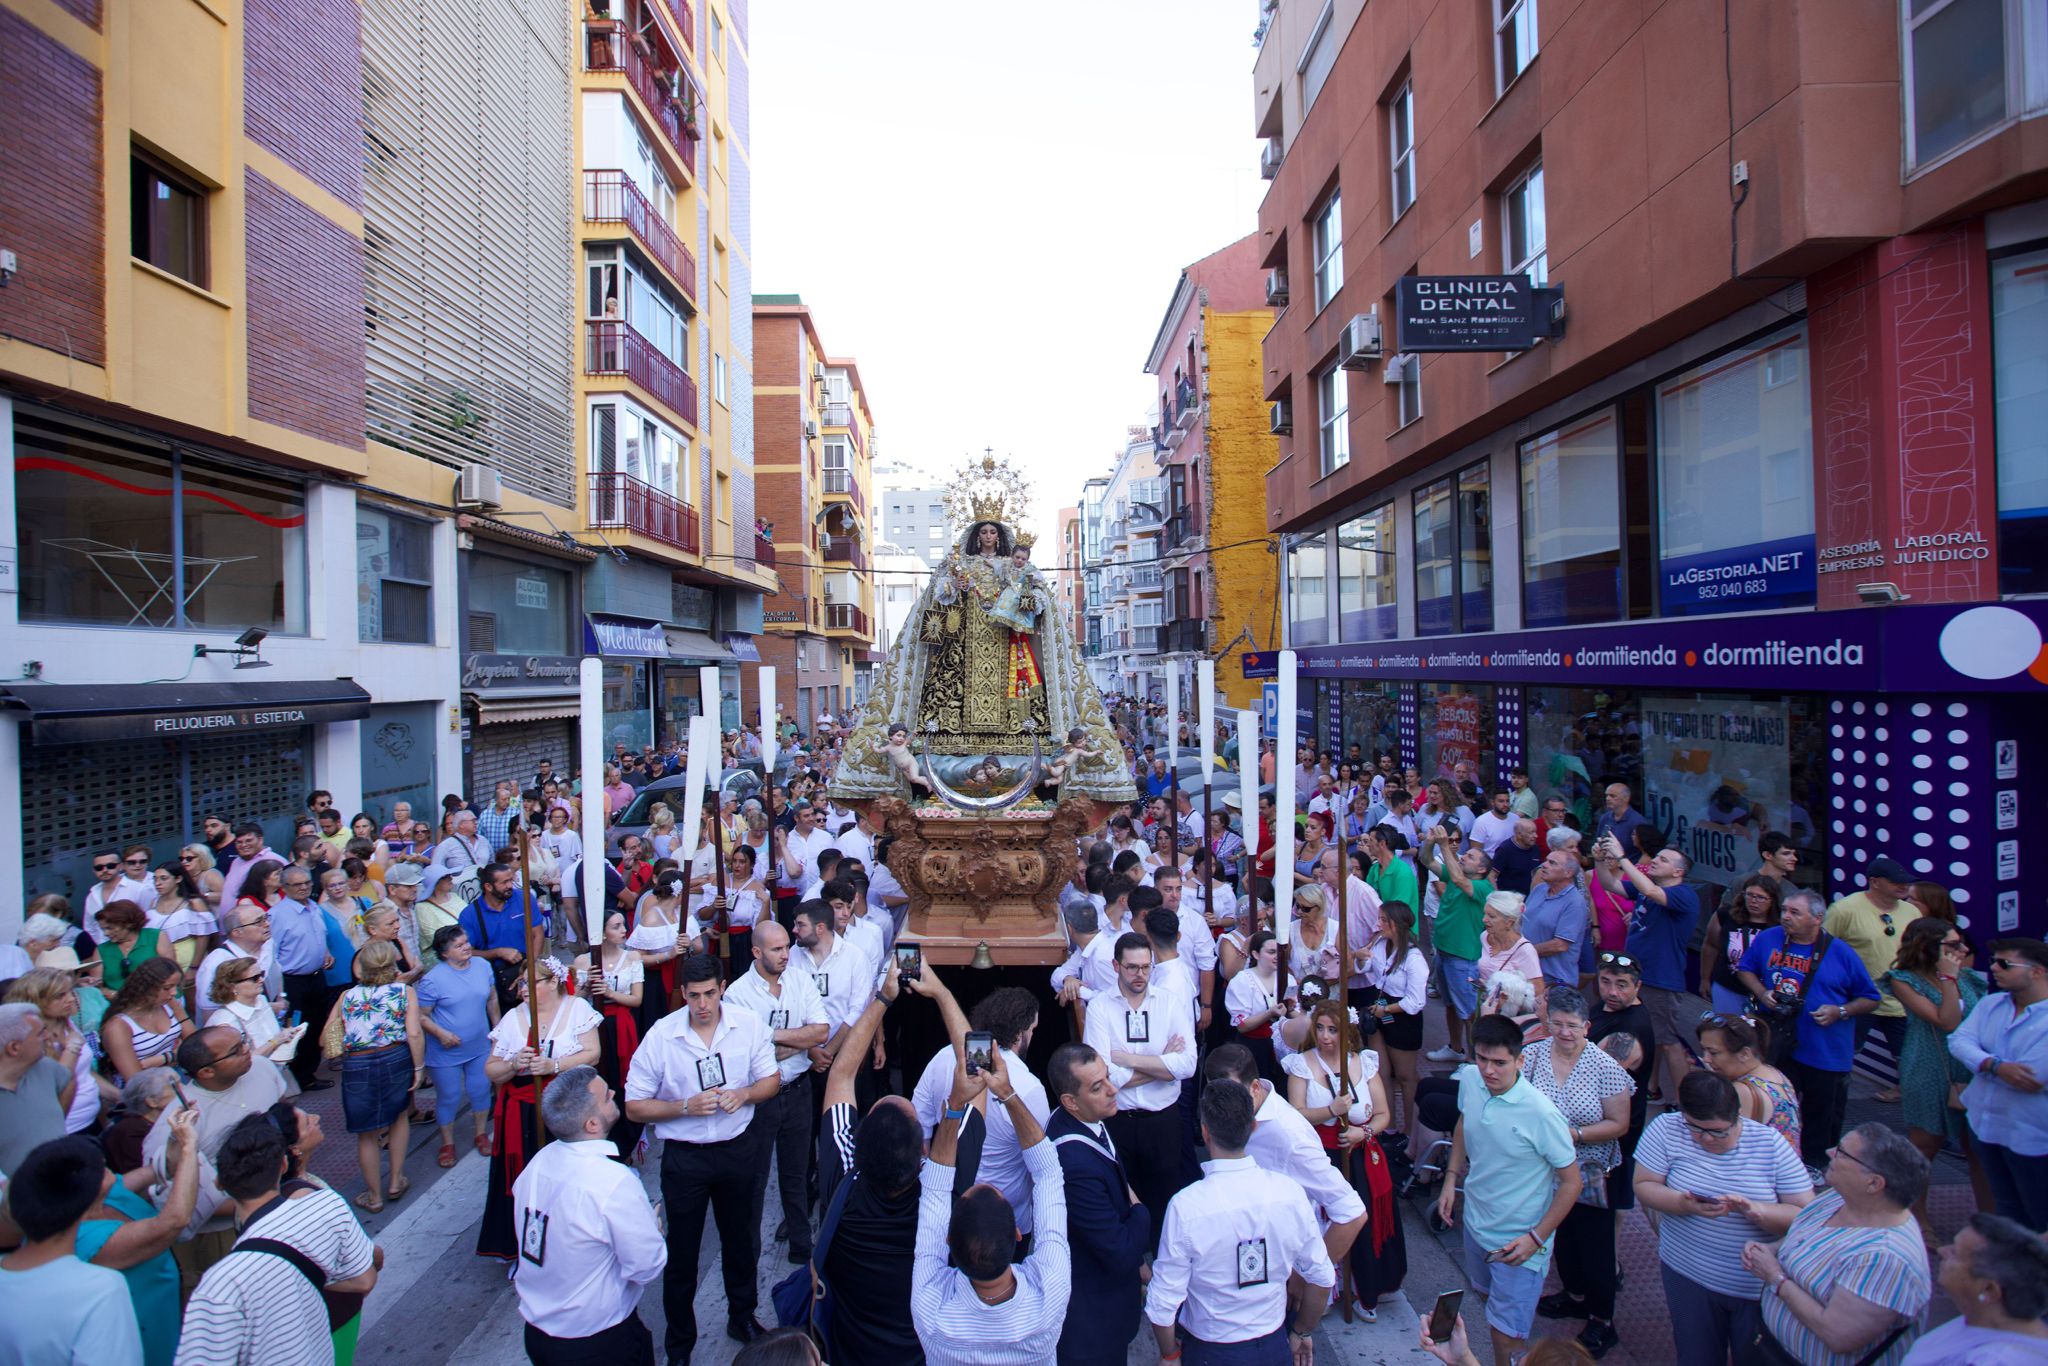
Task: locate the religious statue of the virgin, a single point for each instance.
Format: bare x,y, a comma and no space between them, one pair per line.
985,675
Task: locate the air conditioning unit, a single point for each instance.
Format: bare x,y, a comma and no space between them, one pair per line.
1269,159
1397,368
1281,417
1276,289
818,373
479,486
810,429
1361,344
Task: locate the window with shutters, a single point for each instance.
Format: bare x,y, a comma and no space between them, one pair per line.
394,577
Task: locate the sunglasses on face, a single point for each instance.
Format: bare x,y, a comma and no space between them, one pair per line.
139,858
105,867
2010,963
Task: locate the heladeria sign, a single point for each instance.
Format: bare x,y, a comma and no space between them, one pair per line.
1473,313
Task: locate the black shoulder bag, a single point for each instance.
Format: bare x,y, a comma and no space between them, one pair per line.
1784,1021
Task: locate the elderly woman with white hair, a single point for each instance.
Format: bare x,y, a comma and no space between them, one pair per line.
38,935
1510,973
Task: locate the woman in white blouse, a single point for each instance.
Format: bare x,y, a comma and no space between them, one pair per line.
612,978
1256,1007
659,938
239,1003
1312,948
568,1028
1336,1085
1398,976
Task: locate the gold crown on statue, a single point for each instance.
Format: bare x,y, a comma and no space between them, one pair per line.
987,507
1024,540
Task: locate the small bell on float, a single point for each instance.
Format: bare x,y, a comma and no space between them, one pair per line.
982,957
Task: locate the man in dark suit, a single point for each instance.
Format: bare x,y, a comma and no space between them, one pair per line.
1108,1230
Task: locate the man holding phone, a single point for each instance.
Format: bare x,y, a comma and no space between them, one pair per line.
1520,1168
1003,1022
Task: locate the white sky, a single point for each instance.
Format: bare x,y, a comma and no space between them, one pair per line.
988,205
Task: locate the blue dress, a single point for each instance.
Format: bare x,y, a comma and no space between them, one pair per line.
460,1003
1925,1066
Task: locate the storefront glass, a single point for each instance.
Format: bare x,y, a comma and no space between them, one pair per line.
626,717
2019,348
1308,591
1372,718
1572,523
1578,741
1455,724
1367,584
1735,433
1723,770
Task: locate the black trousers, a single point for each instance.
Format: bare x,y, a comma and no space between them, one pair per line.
313,999
1823,1102
1149,1142
1585,1259
720,1176
782,1129
625,1343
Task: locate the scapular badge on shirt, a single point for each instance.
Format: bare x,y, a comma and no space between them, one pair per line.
533,1238
1251,1262
824,984
710,1072
778,1019
1137,1026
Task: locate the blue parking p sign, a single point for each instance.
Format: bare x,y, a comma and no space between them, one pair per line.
1269,709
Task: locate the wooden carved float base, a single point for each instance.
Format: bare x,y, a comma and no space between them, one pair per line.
994,880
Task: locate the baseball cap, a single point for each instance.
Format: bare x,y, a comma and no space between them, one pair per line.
1890,869
403,875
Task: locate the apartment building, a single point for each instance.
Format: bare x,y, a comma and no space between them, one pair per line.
911,512
1067,575
815,469
1215,449
1749,513
1123,518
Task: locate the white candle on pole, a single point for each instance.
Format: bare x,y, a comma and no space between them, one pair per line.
1284,745
766,688
711,692
590,763
703,743
1248,795
1205,711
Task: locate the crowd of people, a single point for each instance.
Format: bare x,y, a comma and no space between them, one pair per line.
1202,1126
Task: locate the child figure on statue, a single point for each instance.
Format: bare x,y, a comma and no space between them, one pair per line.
1070,757
897,750
1017,606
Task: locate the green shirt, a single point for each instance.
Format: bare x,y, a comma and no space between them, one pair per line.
1460,916
1397,882
1523,803
1515,1144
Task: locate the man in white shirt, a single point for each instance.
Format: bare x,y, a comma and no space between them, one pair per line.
696,1078
988,1308
855,838
788,1004
1197,943
802,845
1286,1144
1139,1029
248,936
1219,1283
1497,824
847,896
1089,970
1010,1015
842,975
589,1243
1196,895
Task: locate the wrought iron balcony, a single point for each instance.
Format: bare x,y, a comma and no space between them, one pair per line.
845,550
1186,636
614,348
608,47
612,197
764,552
628,504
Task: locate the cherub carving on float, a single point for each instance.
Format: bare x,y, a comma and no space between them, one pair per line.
896,749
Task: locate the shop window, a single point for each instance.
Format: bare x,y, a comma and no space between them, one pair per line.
1722,770
394,577
627,720
1308,589
1454,554
1455,725
1372,718
528,606
1736,432
1572,523
2019,348
1578,740
95,516
1367,581
167,219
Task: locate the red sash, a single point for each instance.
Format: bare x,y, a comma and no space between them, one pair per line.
1379,1185
628,1030
508,1128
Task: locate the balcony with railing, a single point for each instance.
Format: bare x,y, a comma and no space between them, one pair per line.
665,90
612,197
840,483
1145,578
624,503
847,551
1186,636
1186,401
764,552
612,347
844,616
1183,528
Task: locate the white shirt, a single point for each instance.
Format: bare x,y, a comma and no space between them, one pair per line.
1178,976
1208,1227
844,980
794,1006
951,1320
257,1023
1406,981
674,1063
1226,900
806,848
588,1240
226,952
1247,996
852,843
1490,831
868,932
1094,963
1111,1026
883,888
1285,1143
1002,1158
1197,940
143,894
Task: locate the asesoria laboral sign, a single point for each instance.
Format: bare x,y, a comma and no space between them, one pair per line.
1991,648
